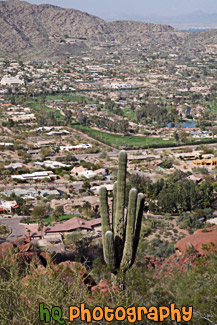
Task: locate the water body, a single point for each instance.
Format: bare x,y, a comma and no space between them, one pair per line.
185,125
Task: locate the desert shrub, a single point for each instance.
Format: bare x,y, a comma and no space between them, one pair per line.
23,288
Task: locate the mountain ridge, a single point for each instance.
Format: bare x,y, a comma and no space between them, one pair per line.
51,32
26,28
198,19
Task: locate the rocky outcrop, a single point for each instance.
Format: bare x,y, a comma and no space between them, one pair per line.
22,250
197,241
189,250
104,288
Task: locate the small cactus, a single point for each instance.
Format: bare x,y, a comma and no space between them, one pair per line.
120,241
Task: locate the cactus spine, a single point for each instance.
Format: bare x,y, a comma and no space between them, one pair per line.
120,241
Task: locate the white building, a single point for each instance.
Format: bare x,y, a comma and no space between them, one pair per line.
11,81
78,147
51,164
82,172
35,176
8,205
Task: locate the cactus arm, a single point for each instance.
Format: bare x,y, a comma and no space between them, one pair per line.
138,222
109,251
114,204
104,212
119,227
130,231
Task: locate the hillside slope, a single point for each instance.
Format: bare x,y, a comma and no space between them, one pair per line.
50,31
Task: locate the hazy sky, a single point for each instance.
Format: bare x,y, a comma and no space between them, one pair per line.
138,7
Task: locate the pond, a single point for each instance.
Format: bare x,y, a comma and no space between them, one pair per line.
185,125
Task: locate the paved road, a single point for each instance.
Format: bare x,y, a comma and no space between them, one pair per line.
62,186
115,152
18,230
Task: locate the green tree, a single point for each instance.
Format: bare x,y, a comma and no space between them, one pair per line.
39,212
59,211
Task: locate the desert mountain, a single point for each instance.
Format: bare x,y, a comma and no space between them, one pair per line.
49,32
194,20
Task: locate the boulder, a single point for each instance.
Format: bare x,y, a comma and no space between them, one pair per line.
104,288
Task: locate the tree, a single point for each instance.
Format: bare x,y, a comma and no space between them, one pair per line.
39,212
59,211
176,136
86,185
68,116
70,157
10,123
183,135
83,119
87,206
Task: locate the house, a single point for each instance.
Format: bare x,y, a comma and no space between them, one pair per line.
188,155
32,231
100,171
51,164
195,179
8,206
95,224
74,224
61,132
31,193
78,147
205,162
14,166
11,81
6,144
82,172
35,176
95,189
40,235
55,233
42,128
23,117
93,200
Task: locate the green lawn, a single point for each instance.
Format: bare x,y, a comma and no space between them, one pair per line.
62,218
118,140
40,107
130,114
50,219
66,97
70,98
131,141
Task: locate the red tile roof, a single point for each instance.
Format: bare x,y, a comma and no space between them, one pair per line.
15,207
94,222
72,224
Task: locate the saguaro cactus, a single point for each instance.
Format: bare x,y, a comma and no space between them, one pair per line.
120,240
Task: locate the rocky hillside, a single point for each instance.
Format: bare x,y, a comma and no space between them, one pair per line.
28,28
46,31
129,32
49,31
